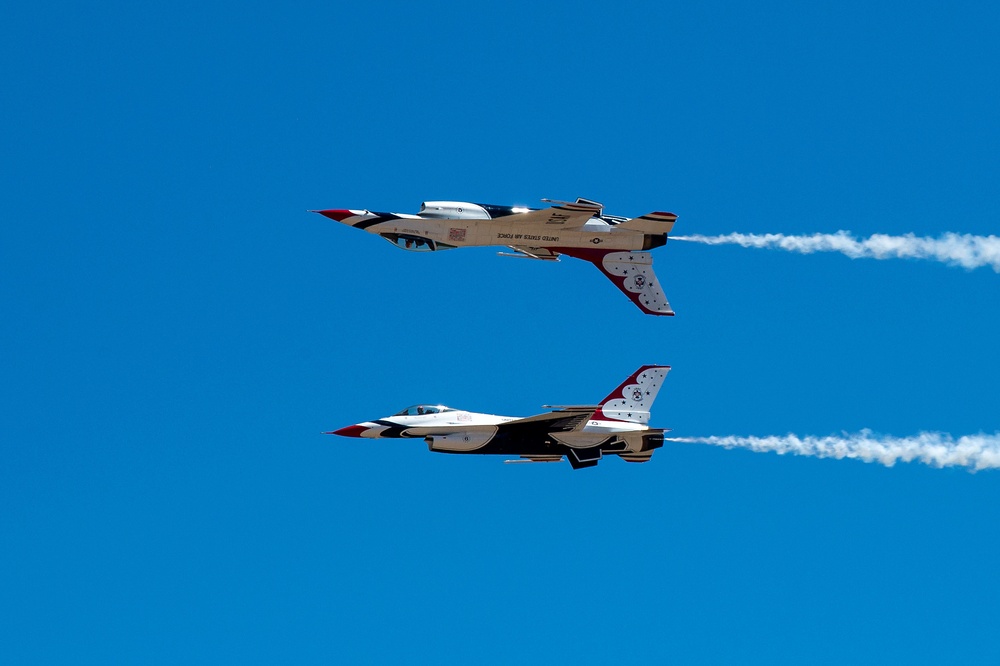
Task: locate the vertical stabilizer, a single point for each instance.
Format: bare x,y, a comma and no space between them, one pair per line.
632,273
631,402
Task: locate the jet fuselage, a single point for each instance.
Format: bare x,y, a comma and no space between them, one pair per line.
616,245
618,425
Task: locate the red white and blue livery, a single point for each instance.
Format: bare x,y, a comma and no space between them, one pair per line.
583,434
616,245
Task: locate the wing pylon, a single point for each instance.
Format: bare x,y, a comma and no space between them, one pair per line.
542,253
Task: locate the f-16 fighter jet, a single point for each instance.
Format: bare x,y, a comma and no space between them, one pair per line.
582,433
616,245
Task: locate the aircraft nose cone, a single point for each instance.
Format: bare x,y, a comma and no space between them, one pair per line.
335,214
349,431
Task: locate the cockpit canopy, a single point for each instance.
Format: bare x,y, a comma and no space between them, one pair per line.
420,410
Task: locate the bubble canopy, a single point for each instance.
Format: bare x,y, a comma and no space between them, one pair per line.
420,410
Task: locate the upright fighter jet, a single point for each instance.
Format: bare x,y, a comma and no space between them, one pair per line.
582,433
616,245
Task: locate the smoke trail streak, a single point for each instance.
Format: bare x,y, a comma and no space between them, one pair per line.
953,249
937,449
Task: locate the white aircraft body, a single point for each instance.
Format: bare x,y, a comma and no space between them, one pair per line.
619,425
616,245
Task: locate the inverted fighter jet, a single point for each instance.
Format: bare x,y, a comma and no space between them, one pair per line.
581,433
616,245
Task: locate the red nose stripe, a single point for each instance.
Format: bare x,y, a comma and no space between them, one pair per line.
350,431
338,215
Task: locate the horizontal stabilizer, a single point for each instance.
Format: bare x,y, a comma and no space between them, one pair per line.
653,223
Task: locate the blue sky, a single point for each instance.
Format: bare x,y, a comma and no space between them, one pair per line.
178,330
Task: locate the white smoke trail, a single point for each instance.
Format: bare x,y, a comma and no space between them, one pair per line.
953,249
976,452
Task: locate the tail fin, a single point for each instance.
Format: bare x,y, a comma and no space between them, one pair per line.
632,273
632,400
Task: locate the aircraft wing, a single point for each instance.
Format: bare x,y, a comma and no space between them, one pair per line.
564,419
632,273
564,215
